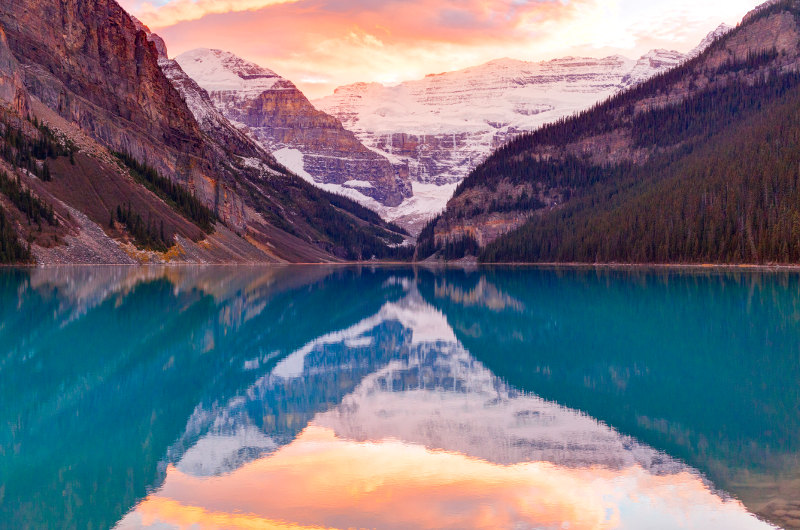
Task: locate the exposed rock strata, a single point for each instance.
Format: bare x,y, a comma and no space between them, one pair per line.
280,117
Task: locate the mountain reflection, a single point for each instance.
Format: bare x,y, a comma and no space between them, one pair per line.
396,397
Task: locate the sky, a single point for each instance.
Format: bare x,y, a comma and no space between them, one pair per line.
323,44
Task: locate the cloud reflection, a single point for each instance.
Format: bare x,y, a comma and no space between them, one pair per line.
321,481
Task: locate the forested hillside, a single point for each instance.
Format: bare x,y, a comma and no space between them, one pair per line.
734,199
699,164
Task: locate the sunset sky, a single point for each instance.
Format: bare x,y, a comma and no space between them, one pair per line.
322,44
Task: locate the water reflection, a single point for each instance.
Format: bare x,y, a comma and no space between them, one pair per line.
396,398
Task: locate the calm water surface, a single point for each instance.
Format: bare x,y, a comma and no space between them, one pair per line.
307,397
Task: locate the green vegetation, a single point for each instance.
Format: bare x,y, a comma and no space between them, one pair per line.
346,229
355,241
709,112
452,250
35,209
173,194
32,154
352,240
457,249
719,182
362,212
146,235
11,249
426,241
734,198
697,118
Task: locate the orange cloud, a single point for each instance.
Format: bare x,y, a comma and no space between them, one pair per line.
177,11
321,481
322,44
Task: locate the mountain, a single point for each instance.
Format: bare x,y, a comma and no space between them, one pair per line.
282,120
697,165
104,162
718,33
211,121
439,128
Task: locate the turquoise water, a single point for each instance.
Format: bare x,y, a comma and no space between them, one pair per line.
298,397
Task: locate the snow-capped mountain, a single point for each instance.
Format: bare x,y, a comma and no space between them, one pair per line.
443,125
402,149
210,119
721,30
650,64
438,128
282,120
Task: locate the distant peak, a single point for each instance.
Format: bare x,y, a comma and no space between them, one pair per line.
505,61
220,70
225,60
721,31
759,8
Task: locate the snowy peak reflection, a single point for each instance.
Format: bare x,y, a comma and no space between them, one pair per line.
441,398
402,374
309,380
392,423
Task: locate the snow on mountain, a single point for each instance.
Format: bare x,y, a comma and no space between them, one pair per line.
651,63
210,119
438,128
403,149
281,119
221,71
721,30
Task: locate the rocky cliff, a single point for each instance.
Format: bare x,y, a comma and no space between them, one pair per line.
12,90
283,121
211,121
84,80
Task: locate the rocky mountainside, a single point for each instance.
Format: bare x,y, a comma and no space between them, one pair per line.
696,165
439,128
211,120
718,33
119,169
282,120
444,125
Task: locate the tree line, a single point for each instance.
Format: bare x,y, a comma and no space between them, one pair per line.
11,249
148,235
32,153
35,209
732,199
178,197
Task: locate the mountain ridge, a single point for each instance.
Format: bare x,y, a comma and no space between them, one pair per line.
622,169
440,127
98,134
280,118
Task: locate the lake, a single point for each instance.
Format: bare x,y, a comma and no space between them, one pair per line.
398,397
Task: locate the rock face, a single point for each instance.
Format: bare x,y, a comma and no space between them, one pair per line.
12,90
96,69
99,78
211,121
442,126
721,31
284,122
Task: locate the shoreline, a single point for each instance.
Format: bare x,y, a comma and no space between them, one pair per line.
743,267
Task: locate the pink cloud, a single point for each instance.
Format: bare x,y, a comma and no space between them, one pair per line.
321,44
